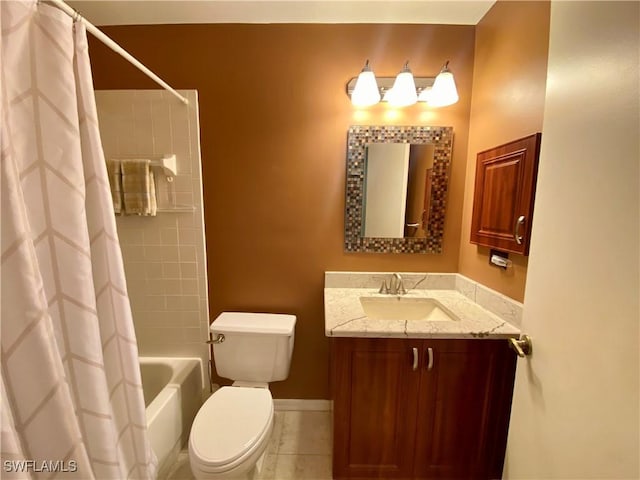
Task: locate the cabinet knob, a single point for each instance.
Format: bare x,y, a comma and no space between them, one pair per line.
522,346
516,230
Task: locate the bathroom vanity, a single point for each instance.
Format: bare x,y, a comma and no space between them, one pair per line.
421,382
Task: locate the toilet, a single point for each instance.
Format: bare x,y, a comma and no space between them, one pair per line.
231,431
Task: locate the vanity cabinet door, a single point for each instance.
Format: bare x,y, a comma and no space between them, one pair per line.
446,419
375,392
465,400
504,195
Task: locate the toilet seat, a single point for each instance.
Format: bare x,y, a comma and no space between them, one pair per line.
229,427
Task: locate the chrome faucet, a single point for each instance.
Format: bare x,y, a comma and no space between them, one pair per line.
396,286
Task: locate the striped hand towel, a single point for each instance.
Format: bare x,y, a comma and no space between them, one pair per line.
138,188
114,169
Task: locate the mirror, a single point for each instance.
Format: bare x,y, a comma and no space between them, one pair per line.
397,186
397,180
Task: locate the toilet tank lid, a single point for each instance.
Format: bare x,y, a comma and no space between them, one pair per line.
264,323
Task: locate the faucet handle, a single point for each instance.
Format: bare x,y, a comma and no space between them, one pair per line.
401,290
384,288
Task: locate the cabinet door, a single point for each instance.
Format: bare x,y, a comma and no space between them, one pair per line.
375,392
463,416
504,194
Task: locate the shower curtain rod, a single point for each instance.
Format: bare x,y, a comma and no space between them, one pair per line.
116,48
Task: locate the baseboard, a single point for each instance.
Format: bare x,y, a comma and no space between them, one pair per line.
283,404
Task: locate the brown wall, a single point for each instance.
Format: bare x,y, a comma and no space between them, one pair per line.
274,118
509,83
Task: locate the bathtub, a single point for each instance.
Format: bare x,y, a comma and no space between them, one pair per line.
172,390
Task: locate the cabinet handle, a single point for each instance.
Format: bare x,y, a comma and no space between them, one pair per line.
516,229
415,359
430,361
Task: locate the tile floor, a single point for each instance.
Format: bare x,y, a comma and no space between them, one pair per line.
300,449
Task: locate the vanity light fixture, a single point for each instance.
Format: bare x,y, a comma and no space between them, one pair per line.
366,92
403,90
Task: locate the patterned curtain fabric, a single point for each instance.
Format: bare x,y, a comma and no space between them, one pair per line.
72,403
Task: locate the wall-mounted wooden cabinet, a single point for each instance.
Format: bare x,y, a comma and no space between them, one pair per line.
420,409
504,194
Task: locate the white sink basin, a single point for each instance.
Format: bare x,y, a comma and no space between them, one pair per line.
405,308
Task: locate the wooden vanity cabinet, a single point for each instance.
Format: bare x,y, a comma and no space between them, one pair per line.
438,415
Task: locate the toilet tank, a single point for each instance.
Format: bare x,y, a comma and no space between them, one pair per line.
257,347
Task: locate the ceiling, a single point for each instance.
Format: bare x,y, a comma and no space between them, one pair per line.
140,12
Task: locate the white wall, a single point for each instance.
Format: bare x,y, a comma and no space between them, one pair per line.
576,403
386,195
164,256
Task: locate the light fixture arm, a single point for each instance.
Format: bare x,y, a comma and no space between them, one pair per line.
385,84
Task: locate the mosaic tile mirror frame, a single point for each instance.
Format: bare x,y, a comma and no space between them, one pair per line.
358,138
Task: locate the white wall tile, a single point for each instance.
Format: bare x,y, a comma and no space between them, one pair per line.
189,287
161,123
164,267
186,220
152,236
172,286
187,236
187,253
190,303
143,124
169,236
153,287
192,335
153,253
188,270
153,270
174,303
171,270
170,253
190,319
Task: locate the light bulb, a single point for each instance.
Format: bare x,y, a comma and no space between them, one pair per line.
366,92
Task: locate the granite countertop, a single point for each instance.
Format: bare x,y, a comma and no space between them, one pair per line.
345,317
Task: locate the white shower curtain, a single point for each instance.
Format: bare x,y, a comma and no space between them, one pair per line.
72,399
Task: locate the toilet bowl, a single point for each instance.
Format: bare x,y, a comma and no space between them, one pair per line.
231,431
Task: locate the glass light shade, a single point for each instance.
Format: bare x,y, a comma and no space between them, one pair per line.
366,92
403,93
444,90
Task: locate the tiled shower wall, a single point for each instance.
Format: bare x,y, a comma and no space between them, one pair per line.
164,256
